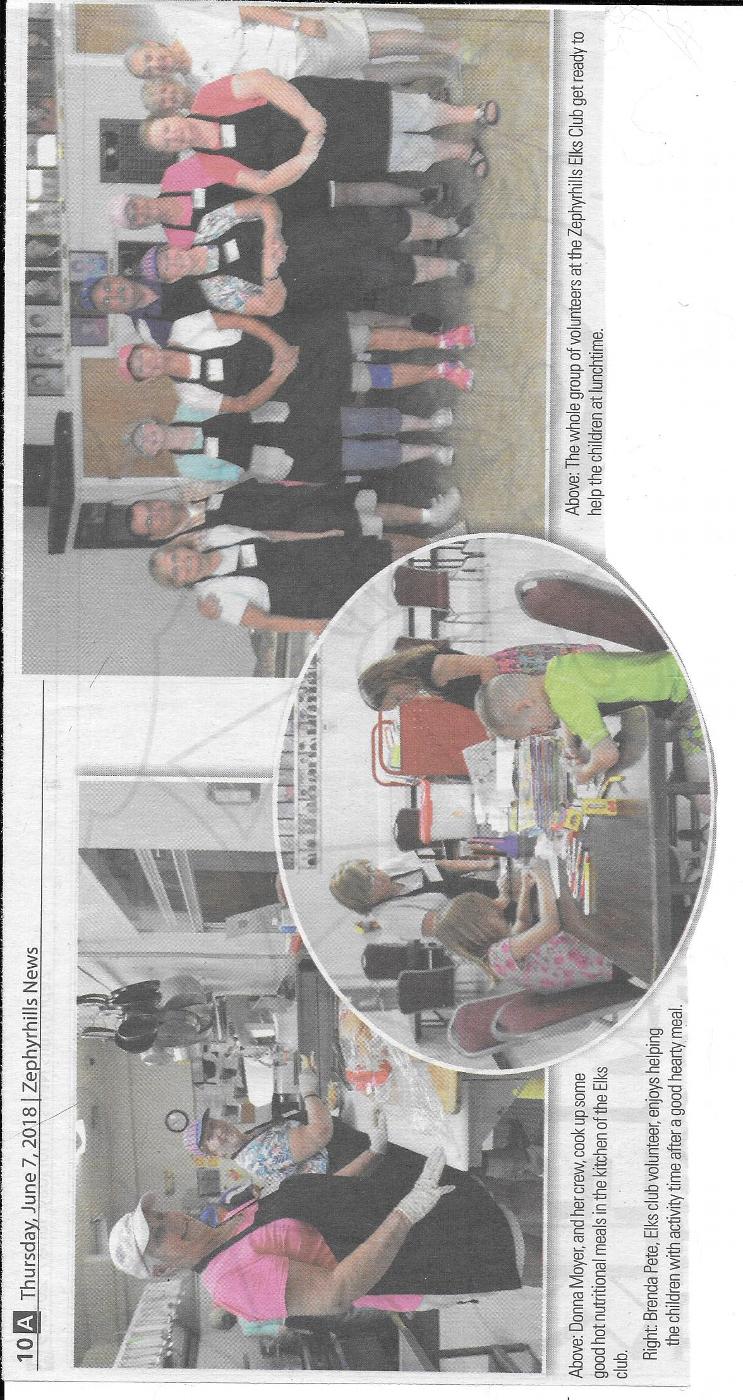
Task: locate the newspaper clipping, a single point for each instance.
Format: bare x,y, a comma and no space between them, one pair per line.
359,810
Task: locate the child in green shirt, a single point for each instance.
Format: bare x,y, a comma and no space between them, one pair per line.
571,692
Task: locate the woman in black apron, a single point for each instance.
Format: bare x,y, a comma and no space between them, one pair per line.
189,191
312,369
361,886
292,138
402,1233
219,448
255,505
317,260
290,586
305,362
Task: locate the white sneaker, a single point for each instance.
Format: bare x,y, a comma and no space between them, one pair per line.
451,531
443,455
442,418
444,508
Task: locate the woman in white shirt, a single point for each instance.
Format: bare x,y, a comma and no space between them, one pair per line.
271,585
363,887
208,41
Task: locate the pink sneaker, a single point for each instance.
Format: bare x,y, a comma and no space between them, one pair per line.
456,373
458,338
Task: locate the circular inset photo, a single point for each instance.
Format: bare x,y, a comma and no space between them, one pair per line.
494,802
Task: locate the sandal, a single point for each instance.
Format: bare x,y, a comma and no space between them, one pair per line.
478,163
488,113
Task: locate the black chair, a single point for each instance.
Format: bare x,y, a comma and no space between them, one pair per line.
426,991
386,961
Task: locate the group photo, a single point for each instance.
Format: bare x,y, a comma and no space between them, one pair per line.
502,792
260,1182
297,262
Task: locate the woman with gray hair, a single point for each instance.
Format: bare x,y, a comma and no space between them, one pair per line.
208,41
227,447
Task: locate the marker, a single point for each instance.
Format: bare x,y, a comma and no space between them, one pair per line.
587,887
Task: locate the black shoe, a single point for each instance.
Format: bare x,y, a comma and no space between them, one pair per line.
465,274
435,194
465,218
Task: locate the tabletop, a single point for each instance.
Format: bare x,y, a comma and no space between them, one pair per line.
630,917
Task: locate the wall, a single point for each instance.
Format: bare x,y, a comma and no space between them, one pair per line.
90,611
112,952
93,87
180,816
234,738
123,1104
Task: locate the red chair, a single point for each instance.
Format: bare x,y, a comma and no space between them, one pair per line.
580,605
418,585
492,1022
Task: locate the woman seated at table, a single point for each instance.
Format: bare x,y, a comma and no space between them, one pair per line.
530,950
362,886
227,447
438,669
303,134
275,585
382,1233
247,258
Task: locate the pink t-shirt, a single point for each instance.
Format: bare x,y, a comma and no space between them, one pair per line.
559,964
249,1279
216,100
197,172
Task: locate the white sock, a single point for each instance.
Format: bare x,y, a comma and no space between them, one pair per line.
425,517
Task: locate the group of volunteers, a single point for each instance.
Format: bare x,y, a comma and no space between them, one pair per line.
516,934
333,1220
280,228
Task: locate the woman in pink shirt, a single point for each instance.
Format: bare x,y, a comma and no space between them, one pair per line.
193,187
389,1238
530,951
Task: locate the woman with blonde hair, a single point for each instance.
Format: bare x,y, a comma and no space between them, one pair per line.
361,886
270,584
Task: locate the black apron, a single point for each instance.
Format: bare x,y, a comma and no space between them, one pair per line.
315,454
231,370
181,298
203,198
267,506
233,437
240,252
317,389
356,146
312,578
343,257
463,1246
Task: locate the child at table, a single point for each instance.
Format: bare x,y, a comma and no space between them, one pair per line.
533,951
571,693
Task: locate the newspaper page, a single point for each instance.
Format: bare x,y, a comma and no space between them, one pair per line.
363,661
